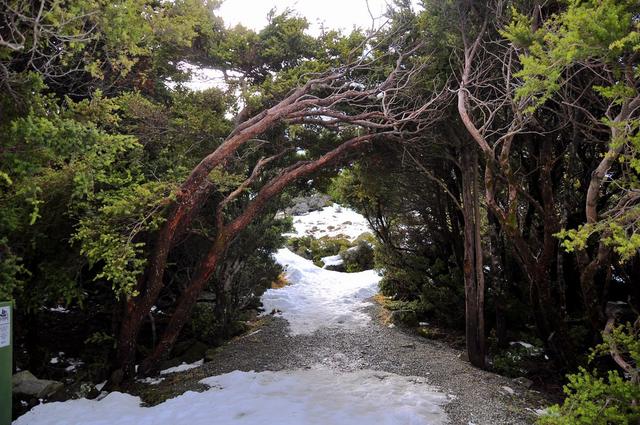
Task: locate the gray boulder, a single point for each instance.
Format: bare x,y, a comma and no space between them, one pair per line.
25,383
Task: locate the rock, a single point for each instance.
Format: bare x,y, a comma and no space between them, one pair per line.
508,390
25,383
303,205
527,383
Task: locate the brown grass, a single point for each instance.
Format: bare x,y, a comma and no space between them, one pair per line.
384,315
280,282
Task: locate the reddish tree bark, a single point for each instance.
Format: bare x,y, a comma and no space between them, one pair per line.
367,111
227,233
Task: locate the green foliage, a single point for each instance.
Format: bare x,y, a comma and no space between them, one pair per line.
624,240
108,234
204,323
105,41
513,360
585,31
99,338
592,35
405,312
418,266
360,256
594,399
315,249
12,272
357,256
73,180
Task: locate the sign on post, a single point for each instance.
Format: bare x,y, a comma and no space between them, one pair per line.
6,361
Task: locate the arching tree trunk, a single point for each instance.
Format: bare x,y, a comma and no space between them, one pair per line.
226,235
331,101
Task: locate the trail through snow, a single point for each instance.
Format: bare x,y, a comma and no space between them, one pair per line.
319,298
316,298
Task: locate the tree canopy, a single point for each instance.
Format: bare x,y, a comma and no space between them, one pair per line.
494,148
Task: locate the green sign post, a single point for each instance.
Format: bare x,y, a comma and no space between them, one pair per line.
6,361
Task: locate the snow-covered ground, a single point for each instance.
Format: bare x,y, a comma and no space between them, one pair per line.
319,298
331,221
315,298
301,397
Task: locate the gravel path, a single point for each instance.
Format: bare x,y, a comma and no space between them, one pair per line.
479,397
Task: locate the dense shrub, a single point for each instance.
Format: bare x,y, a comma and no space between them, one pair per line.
596,397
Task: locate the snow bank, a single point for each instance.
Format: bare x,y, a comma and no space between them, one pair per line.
320,298
331,221
302,397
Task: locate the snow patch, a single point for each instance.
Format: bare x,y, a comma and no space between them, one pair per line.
331,221
522,343
150,381
538,412
310,397
182,367
317,298
332,260
74,364
58,309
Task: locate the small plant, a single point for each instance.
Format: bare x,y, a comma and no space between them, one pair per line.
595,398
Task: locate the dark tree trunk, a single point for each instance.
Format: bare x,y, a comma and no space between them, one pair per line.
473,261
498,284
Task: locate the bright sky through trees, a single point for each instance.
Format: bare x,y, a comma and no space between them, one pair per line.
335,14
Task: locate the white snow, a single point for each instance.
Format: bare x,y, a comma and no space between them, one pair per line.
332,221
74,364
182,367
522,343
538,412
332,260
150,381
58,309
309,397
319,298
